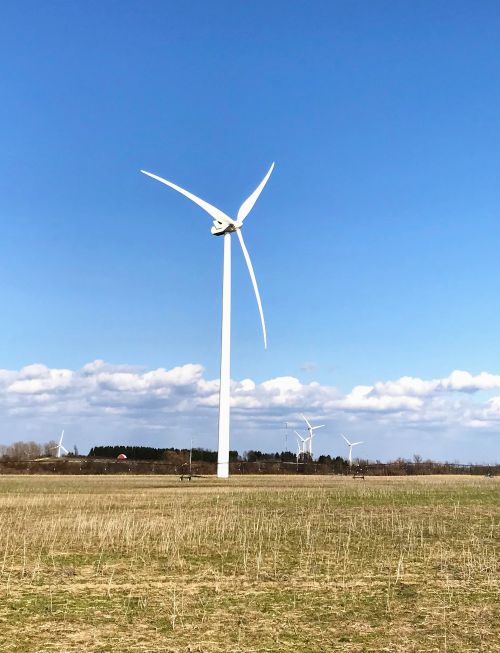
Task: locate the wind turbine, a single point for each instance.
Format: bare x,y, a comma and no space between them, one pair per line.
301,445
223,225
351,445
310,430
60,447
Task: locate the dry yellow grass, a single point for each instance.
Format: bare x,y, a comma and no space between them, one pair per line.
304,564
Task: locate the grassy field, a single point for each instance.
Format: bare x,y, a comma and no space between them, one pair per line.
304,564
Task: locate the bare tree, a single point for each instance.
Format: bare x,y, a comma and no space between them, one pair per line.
24,450
49,448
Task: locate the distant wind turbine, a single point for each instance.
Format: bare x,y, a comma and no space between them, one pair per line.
301,445
60,447
351,445
223,225
310,430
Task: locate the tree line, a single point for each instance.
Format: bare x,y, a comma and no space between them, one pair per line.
171,454
165,454
169,460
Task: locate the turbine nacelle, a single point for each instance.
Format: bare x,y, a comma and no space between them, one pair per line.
221,228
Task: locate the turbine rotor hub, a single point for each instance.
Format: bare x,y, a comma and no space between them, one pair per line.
221,228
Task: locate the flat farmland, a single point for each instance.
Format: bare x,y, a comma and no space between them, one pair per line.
148,564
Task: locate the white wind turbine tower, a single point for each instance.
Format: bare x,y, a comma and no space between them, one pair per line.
310,430
223,225
299,451
351,445
60,447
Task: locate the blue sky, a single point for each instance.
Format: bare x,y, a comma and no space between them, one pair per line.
375,243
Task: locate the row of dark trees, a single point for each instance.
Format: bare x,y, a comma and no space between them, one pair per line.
203,455
169,454
173,455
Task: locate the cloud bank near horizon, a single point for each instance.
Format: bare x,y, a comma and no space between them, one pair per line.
123,398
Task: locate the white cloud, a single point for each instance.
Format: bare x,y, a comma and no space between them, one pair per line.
155,399
366,398
457,381
35,379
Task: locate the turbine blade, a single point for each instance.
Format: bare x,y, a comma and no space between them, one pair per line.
254,282
64,449
216,213
305,419
299,436
317,427
343,436
355,443
247,205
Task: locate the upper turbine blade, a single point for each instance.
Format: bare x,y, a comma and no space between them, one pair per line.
247,205
216,213
305,419
299,436
343,436
254,282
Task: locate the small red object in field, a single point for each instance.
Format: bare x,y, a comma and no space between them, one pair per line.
121,456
